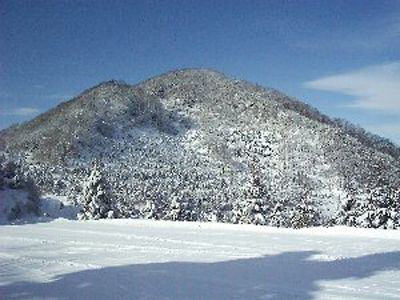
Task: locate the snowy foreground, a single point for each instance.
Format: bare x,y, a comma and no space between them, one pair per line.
131,259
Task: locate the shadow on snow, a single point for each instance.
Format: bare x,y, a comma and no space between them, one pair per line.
290,275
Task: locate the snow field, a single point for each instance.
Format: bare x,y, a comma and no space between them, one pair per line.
144,259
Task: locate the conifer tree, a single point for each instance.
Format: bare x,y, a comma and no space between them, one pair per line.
96,199
174,210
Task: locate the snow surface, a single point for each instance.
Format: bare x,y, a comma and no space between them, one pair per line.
144,259
53,206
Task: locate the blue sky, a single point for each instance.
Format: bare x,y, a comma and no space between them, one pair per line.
343,57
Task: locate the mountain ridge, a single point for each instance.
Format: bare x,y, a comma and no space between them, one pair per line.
381,143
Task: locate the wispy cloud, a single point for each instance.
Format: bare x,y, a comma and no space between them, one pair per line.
372,34
375,87
21,112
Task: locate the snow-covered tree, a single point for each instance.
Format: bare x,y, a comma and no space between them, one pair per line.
149,211
174,210
253,208
378,210
277,216
96,198
305,214
345,214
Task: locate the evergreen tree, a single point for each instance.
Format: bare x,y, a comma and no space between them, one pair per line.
255,207
305,214
277,216
174,213
149,211
96,199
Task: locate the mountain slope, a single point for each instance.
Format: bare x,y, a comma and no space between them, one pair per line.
197,145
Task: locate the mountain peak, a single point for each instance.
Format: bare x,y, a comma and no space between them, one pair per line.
112,83
195,72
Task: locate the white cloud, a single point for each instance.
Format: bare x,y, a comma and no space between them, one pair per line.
375,87
21,112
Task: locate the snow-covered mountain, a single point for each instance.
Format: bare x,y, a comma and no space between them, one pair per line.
197,145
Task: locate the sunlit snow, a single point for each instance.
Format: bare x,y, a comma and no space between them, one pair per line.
144,259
